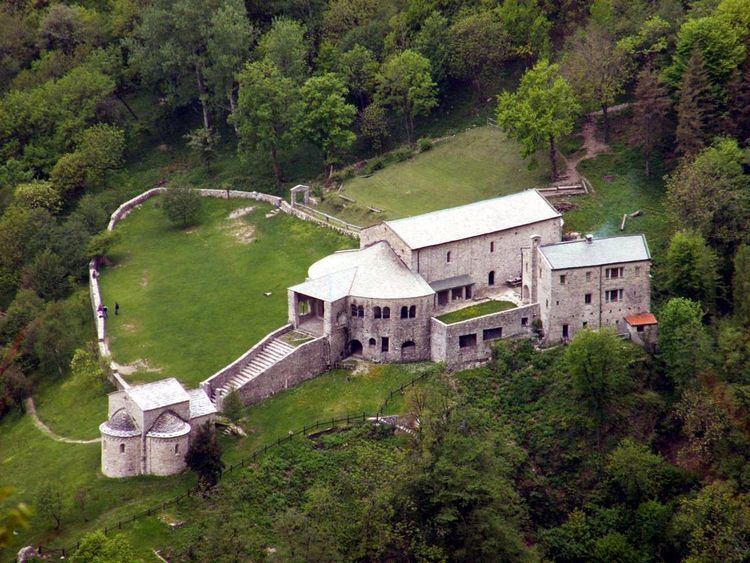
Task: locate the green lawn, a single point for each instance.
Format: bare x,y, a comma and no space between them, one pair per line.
621,186
476,164
193,300
477,310
29,458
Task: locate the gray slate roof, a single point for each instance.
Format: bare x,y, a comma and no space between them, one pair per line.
474,219
450,283
120,424
610,250
200,404
158,394
168,425
374,272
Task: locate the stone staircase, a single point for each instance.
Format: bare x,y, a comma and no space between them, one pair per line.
273,351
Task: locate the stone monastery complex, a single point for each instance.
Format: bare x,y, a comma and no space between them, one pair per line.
384,301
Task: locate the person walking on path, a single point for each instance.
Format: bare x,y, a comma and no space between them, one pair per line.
117,308
105,309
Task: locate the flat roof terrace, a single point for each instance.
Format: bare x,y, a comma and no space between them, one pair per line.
476,310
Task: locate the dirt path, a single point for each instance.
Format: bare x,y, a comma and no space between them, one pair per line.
31,410
592,146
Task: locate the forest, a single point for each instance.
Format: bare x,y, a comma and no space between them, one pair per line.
597,451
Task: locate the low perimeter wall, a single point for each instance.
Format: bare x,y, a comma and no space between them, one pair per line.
217,380
445,339
307,361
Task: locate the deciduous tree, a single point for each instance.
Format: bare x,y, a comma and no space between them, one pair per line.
204,456
50,502
741,284
182,206
540,111
326,117
684,347
690,269
359,69
284,45
405,85
95,547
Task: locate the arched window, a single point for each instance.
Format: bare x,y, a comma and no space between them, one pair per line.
354,310
448,256
386,312
491,278
404,312
177,448
412,311
376,312
360,311
122,448
372,342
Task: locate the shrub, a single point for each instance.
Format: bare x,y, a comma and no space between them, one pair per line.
232,406
424,144
182,206
38,194
100,245
402,154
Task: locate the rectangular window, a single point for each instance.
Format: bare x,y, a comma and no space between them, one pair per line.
637,270
524,321
613,295
588,276
492,333
587,299
492,247
384,342
457,293
467,341
614,273
448,256
467,293
639,328
562,280
443,297
565,331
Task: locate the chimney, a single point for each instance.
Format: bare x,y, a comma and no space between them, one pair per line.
589,238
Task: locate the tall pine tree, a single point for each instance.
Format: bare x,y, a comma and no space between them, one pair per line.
696,108
650,115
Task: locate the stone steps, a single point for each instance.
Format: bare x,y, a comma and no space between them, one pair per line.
273,352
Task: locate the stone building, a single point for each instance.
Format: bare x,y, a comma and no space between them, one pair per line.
149,428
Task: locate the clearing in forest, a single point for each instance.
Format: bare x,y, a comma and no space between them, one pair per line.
476,164
193,300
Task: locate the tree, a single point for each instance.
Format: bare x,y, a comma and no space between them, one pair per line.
267,111
598,362
47,276
540,111
695,108
11,518
636,472
204,456
479,45
203,142
69,173
596,69
373,125
690,269
101,244
86,367
705,423
228,43
326,117
433,42
284,45
528,26
715,524
710,194
38,194
102,147
683,343
741,285
358,68
50,502
651,108
95,547
232,406
182,206
405,85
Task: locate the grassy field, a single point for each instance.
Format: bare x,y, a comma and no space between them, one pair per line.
476,164
621,186
193,300
484,308
29,458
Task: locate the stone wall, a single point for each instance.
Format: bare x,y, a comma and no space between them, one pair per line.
446,338
226,373
161,457
382,232
475,257
567,300
121,464
307,361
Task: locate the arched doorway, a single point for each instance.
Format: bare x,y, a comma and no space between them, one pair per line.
408,350
491,278
355,348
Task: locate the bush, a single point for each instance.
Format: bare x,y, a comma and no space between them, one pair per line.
38,194
182,206
100,245
232,406
402,154
424,144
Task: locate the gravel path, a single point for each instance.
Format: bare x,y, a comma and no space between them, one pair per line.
31,410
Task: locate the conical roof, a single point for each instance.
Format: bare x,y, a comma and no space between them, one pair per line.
168,425
120,424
